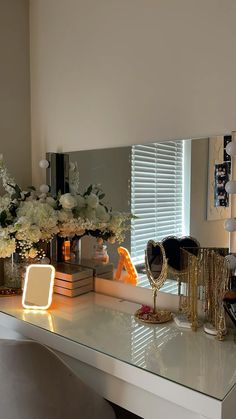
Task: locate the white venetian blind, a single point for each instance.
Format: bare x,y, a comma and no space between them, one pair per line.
156,194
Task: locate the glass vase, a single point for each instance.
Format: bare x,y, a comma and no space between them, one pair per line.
14,271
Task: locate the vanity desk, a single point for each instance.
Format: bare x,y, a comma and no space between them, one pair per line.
155,371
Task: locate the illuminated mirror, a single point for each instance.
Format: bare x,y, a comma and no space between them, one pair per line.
38,287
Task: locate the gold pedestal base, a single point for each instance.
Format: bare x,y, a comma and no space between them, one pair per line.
160,316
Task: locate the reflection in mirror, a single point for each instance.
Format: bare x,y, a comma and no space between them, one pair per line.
173,248
168,185
154,259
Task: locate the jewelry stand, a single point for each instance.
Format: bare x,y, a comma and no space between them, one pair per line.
208,270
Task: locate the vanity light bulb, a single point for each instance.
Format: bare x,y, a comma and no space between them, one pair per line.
230,186
230,224
44,188
231,148
44,164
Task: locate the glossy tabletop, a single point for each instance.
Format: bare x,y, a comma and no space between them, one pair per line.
106,324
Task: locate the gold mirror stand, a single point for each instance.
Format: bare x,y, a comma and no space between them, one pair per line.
146,314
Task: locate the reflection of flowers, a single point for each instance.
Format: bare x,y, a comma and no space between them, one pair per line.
67,201
87,214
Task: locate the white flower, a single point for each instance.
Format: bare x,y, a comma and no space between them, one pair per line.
89,213
5,201
26,232
74,227
102,214
92,200
33,253
74,177
51,201
65,215
7,181
39,214
80,201
7,247
68,201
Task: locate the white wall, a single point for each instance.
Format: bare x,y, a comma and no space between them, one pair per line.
116,72
15,89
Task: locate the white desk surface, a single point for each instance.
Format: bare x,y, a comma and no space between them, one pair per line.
107,325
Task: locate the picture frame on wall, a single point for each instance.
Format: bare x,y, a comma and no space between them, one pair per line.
219,171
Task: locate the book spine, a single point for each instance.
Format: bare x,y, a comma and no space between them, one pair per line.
73,285
73,293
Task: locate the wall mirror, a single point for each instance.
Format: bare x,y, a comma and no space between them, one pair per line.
175,188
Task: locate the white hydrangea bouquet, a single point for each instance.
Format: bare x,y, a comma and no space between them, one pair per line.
28,218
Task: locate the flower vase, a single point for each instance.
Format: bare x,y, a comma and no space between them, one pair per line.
14,271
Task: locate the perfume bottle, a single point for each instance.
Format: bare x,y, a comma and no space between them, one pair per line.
100,253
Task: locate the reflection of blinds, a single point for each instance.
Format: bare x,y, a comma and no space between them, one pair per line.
147,343
156,193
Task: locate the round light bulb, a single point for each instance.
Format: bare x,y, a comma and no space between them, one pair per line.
230,186
231,148
44,188
44,164
230,224
231,259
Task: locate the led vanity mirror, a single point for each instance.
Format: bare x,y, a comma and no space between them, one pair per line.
38,287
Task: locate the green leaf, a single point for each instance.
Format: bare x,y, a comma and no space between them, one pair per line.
89,190
3,219
17,189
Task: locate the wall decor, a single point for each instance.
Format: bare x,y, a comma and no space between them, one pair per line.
219,171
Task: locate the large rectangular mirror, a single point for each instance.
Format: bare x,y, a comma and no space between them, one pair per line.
175,188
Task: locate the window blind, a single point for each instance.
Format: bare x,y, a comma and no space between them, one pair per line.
156,193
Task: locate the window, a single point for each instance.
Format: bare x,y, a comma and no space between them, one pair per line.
158,194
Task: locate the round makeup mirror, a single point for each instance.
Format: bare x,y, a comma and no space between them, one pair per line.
156,269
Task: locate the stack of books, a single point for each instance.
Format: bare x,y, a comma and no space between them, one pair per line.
72,280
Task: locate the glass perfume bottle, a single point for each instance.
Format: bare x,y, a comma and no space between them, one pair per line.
100,253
